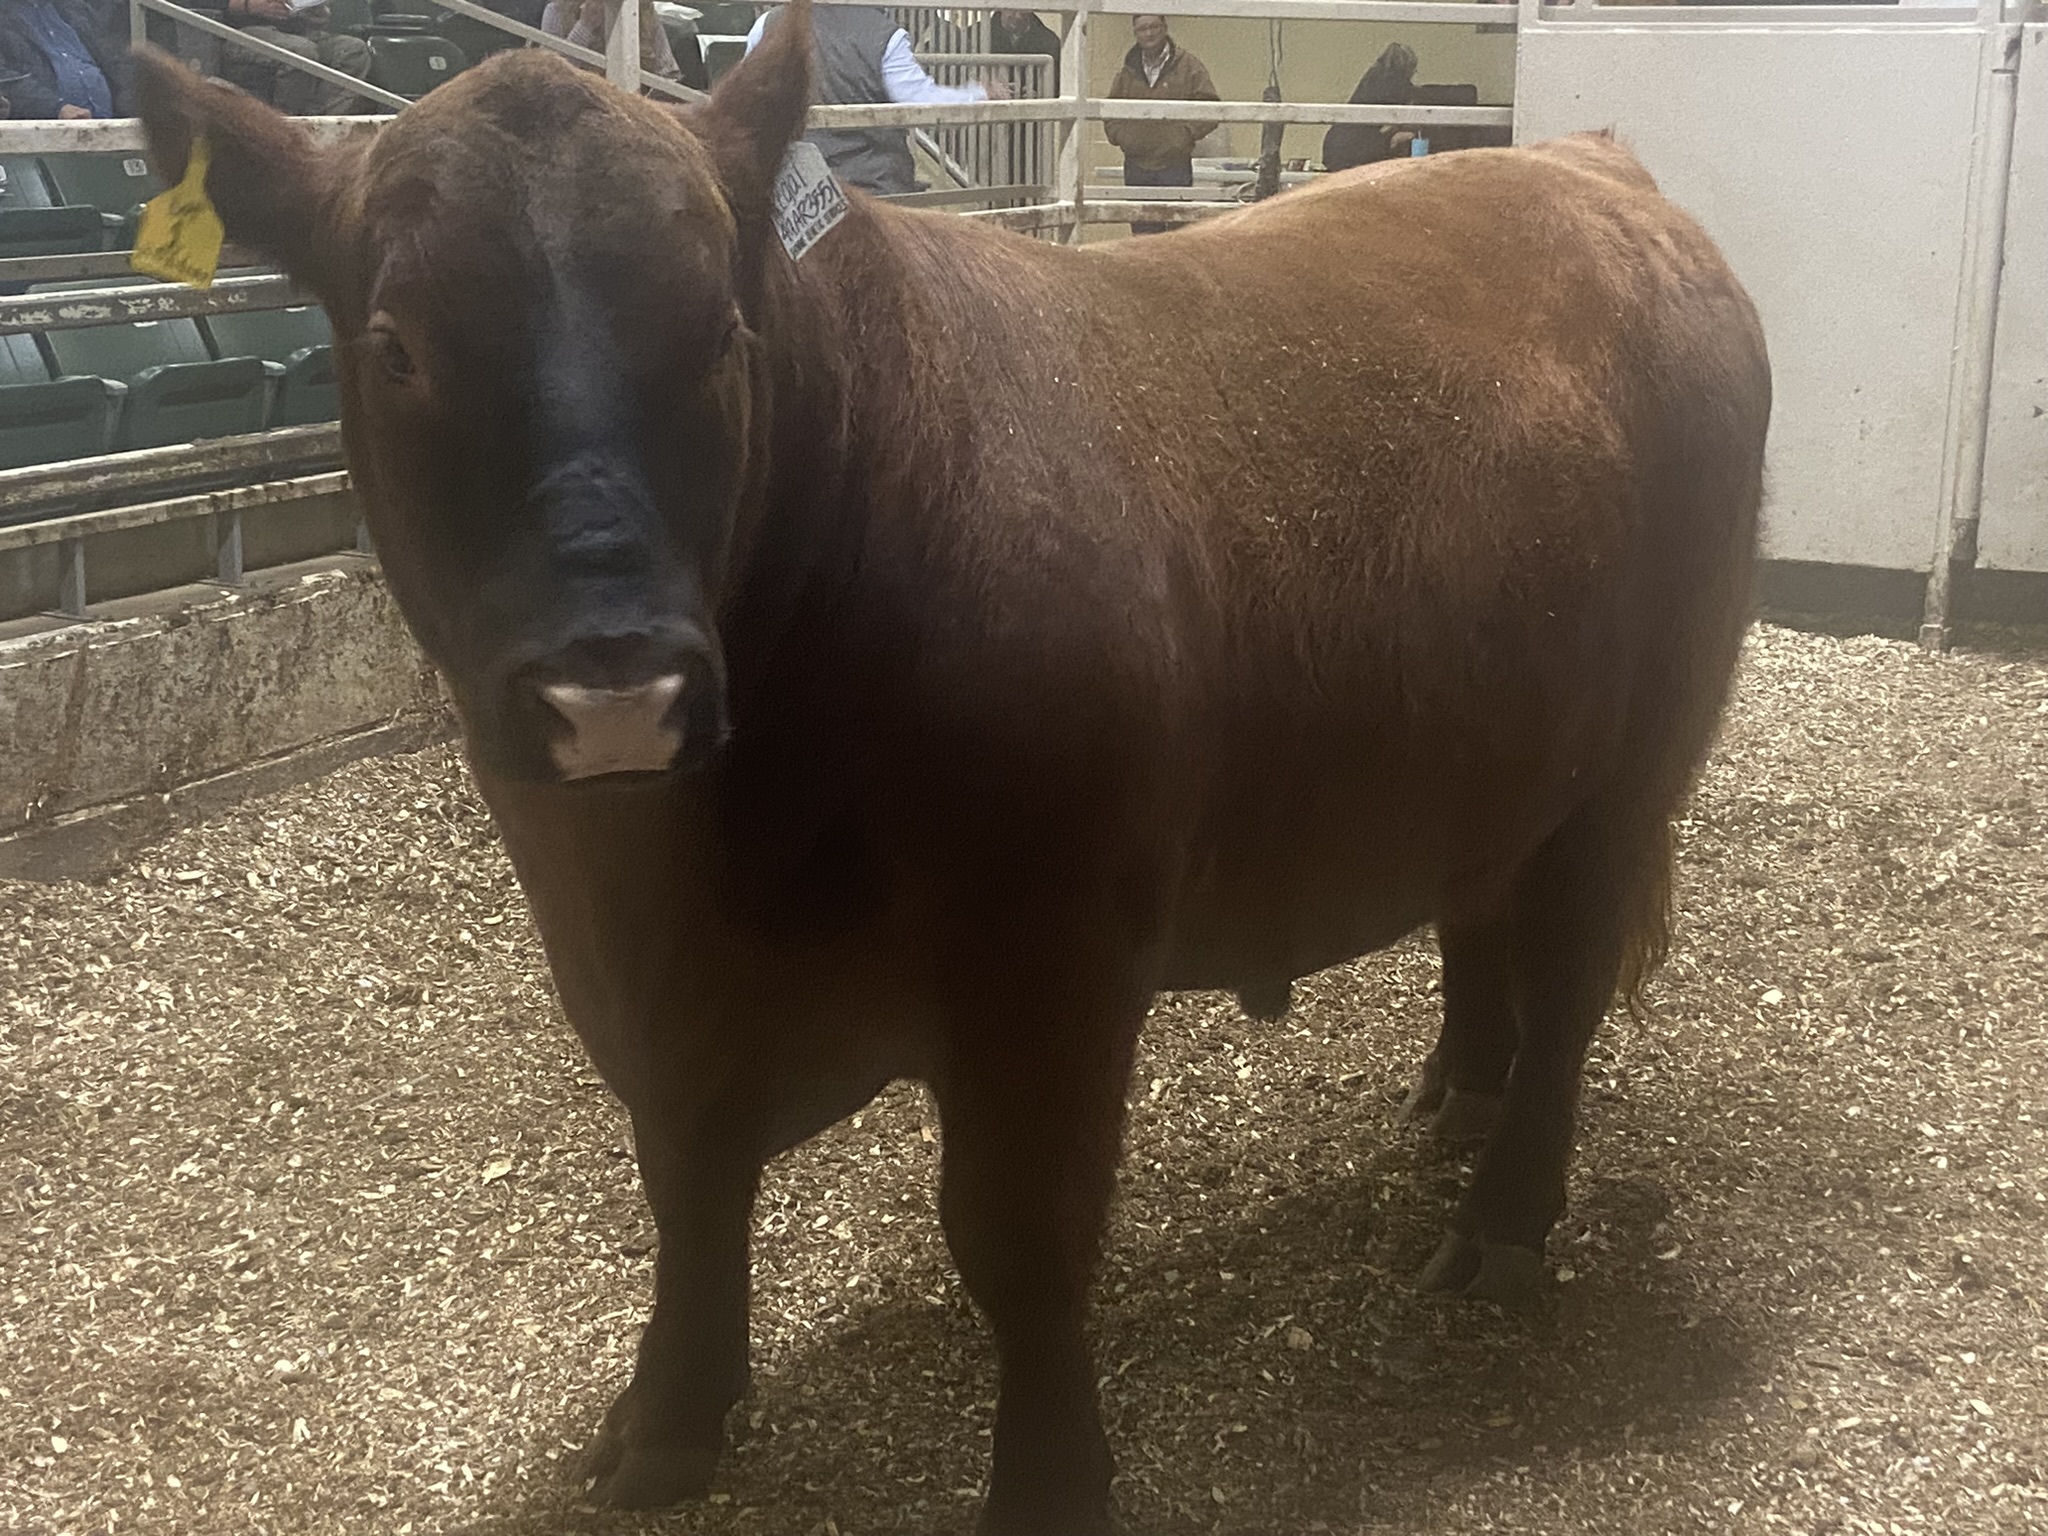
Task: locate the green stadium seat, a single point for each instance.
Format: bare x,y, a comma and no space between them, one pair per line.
411,65
178,392
116,184
301,342
22,184
721,54
478,40
32,221
45,420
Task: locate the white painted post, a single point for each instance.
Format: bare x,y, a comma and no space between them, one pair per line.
71,578
622,44
1969,410
1071,176
227,548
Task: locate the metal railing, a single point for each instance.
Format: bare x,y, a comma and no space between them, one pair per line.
1006,162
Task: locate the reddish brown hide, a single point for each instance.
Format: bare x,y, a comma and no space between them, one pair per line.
987,634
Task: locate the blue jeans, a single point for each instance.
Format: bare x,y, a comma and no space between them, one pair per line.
1182,175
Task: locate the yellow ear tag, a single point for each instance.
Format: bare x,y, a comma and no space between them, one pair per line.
180,235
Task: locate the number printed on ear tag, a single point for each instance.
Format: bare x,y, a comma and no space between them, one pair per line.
806,200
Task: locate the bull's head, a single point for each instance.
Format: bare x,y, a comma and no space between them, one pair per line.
552,395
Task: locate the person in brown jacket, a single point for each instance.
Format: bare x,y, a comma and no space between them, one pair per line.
1158,154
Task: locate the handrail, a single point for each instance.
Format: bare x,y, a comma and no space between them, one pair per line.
178,509
106,135
79,308
49,487
92,264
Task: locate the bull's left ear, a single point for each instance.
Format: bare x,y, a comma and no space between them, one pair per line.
758,110
276,191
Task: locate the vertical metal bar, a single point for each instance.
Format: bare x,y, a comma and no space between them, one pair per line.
138,24
1969,416
622,44
1072,174
227,547
1528,17
71,578
364,544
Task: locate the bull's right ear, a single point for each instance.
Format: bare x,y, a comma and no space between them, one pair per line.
758,109
274,188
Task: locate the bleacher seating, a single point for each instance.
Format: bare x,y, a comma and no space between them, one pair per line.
34,222
412,64
45,420
116,184
178,391
301,342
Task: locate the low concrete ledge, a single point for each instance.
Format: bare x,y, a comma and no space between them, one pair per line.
154,714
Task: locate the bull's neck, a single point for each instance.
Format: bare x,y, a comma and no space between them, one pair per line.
833,356
842,331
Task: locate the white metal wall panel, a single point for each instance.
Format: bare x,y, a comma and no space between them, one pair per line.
1832,166
2014,533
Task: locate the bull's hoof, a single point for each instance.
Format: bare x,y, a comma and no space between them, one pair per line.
1423,1100
1464,1117
996,1521
1483,1270
1267,1001
630,1476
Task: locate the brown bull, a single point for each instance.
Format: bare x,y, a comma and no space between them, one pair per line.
906,661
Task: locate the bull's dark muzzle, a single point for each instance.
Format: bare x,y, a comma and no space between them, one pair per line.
627,704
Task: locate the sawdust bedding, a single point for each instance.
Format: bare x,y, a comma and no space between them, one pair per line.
315,1220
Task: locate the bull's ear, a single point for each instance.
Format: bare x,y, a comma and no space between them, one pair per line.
758,109
273,187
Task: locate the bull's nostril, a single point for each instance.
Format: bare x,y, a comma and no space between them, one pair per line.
616,730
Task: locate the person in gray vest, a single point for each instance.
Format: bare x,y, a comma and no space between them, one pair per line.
858,55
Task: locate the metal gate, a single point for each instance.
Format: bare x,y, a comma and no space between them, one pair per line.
2014,534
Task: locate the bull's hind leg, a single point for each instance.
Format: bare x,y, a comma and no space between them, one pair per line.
1033,1113
1570,918
663,1436
1464,1077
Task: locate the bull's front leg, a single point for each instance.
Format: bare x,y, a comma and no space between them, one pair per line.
661,1441
1033,1116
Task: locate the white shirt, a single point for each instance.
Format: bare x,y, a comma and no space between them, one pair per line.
903,78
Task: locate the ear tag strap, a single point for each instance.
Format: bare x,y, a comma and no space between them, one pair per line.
180,235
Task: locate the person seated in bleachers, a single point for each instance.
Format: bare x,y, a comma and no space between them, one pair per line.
301,29
66,65
582,23
1389,83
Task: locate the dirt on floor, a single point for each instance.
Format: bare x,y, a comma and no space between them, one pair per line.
315,1219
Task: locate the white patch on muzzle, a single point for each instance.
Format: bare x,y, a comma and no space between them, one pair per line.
616,730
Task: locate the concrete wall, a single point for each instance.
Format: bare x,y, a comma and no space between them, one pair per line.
130,713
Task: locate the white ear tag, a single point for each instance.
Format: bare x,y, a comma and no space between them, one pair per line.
806,200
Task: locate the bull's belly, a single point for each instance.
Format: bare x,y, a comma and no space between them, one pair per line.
1252,932
1331,878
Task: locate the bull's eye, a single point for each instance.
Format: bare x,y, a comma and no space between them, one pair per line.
390,352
